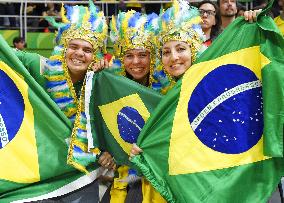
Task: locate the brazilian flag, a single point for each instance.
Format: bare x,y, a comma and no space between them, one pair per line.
116,110
33,138
217,136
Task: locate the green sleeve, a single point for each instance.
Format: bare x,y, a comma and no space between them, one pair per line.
33,63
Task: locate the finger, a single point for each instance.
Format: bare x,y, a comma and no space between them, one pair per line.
106,63
136,148
254,14
250,16
95,67
102,64
246,15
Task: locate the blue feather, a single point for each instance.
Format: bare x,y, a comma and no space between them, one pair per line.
133,20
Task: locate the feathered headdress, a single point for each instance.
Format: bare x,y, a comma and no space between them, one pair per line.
182,22
133,30
80,22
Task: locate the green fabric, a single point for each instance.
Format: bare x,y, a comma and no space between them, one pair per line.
251,182
51,131
32,63
108,88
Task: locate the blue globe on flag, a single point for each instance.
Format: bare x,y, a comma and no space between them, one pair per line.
11,110
130,123
225,109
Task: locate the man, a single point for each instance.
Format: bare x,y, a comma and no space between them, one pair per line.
228,11
79,43
279,20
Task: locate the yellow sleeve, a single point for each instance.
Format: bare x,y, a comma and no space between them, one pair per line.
150,195
118,190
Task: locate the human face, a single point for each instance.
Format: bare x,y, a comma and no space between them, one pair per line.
176,57
20,45
79,55
228,8
208,13
137,64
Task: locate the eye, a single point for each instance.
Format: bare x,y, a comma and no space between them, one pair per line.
128,56
89,51
73,47
142,55
181,49
165,52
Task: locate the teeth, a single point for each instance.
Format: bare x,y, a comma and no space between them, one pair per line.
76,61
137,69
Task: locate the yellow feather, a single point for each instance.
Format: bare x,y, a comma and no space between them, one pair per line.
64,18
86,16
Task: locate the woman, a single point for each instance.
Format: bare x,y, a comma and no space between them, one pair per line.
210,15
181,41
133,36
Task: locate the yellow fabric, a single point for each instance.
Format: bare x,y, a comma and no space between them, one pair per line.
19,158
118,190
136,5
280,23
194,156
133,101
150,195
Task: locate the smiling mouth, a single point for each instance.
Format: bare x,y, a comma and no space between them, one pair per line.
137,70
77,62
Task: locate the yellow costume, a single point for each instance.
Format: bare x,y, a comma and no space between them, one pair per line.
280,23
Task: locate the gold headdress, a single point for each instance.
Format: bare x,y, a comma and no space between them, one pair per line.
133,30
80,22
182,22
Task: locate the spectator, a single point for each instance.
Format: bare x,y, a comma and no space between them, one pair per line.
279,20
228,11
211,20
8,9
19,43
49,10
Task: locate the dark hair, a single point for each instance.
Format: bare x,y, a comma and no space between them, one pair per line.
17,40
215,28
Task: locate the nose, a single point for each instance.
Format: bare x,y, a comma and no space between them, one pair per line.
136,60
79,52
174,55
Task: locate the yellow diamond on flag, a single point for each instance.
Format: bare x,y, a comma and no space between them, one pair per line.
18,151
110,113
188,153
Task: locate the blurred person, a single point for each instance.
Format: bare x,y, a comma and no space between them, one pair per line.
19,43
134,5
279,20
228,11
8,9
49,10
210,24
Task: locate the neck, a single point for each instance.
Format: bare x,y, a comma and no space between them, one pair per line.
76,77
207,33
143,81
226,21
282,14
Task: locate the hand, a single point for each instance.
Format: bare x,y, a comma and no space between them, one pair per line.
135,150
251,15
107,161
102,64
